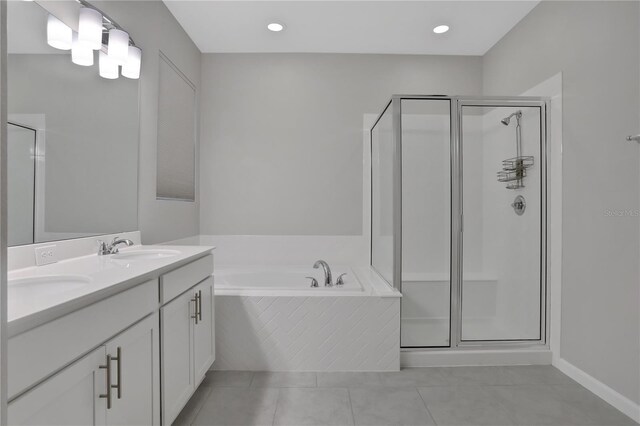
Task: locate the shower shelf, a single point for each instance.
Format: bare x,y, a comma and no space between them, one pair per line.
514,170
518,163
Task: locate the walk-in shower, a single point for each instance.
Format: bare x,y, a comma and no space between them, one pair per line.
467,250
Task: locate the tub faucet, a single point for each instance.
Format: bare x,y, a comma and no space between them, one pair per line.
328,281
104,248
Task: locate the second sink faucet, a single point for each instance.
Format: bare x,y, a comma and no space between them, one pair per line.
104,248
328,280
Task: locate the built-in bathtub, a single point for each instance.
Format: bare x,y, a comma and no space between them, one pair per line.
271,319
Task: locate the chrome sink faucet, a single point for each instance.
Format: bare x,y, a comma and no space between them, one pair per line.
104,248
328,280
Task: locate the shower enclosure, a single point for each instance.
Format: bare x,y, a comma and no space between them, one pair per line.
458,218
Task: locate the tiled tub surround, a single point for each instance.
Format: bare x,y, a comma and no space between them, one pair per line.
513,395
355,328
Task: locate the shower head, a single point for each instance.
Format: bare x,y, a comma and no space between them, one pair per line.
507,120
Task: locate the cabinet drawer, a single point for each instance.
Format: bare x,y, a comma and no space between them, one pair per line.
37,353
177,282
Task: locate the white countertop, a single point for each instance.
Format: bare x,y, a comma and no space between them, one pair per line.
31,307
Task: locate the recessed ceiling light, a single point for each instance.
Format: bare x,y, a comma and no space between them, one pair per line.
441,29
275,27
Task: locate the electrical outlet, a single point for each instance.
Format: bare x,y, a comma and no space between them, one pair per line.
46,255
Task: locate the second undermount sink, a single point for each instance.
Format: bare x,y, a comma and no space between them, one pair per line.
48,283
145,254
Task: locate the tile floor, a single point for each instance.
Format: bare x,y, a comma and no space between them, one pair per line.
523,395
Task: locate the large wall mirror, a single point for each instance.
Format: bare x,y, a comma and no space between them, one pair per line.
72,140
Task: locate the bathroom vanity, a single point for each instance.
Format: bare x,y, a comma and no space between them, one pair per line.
116,339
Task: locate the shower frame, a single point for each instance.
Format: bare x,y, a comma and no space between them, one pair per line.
456,105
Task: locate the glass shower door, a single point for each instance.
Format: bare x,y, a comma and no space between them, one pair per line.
503,195
426,223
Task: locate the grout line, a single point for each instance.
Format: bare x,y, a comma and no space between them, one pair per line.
353,416
275,411
426,406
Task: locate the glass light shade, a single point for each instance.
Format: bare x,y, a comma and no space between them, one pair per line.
131,69
58,34
81,54
107,68
118,48
90,28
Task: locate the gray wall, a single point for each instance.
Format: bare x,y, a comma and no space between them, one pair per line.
596,46
281,134
154,29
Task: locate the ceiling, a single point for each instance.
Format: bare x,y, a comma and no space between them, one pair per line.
398,27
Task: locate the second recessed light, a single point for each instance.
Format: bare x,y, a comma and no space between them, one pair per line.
441,29
275,27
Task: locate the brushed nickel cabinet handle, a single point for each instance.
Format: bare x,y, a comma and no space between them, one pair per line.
200,305
108,394
118,385
195,300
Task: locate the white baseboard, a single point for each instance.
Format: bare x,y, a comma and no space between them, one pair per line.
619,401
458,358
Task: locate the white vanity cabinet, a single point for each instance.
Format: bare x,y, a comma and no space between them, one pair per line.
83,394
204,342
71,397
131,356
135,376
188,345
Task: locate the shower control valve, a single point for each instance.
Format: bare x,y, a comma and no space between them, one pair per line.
519,205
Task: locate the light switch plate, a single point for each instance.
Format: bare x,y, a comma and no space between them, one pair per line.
46,255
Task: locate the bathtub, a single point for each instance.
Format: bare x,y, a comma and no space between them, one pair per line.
291,279
271,319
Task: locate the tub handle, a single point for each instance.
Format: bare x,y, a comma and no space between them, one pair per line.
314,282
340,281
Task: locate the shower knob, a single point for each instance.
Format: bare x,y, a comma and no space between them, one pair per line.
519,205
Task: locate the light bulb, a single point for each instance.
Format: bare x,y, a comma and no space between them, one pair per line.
58,34
90,28
275,27
118,48
131,69
107,68
81,54
441,29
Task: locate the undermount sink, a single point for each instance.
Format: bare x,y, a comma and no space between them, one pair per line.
149,254
49,283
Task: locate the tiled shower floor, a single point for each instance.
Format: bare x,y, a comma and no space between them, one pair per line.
522,395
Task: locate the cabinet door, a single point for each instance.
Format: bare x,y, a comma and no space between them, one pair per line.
177,354
203,331
135,375
70,397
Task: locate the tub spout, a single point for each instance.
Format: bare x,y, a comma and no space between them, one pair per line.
328,280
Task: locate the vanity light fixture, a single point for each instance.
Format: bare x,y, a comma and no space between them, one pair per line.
97,31
58,34
275,27
90,28
107,67
81,54
118,47
441,29
131,69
